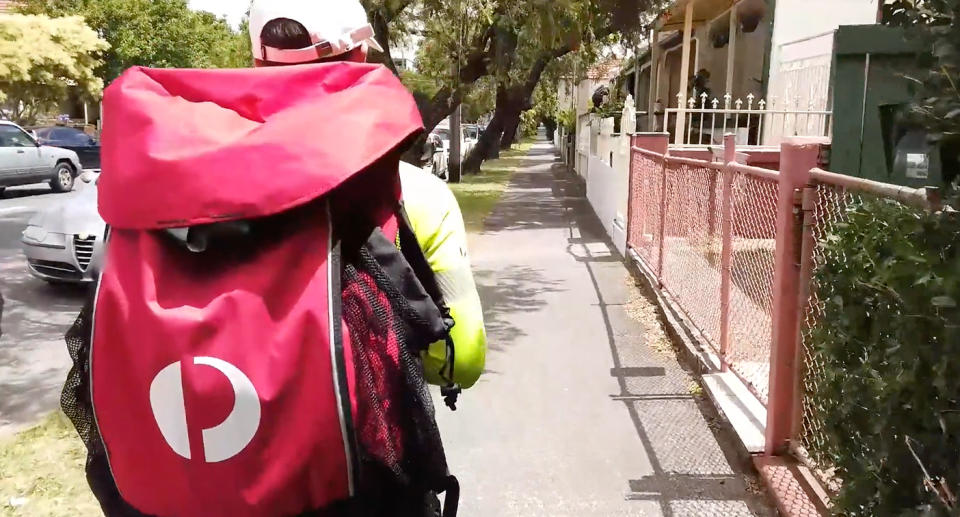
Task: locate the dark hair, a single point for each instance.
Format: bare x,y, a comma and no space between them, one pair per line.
285,34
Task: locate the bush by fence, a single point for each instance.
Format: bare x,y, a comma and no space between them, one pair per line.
883,380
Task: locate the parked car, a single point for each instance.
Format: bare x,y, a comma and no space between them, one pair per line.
23,161
86,147
439,160
471,135
64,242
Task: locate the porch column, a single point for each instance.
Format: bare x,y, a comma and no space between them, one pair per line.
731,49
636,81
678,138
654,80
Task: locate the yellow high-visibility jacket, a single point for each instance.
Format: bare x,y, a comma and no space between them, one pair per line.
438,225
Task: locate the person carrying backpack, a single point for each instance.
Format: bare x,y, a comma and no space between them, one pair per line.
278,289
338,32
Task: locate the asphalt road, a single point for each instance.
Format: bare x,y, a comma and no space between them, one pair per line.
33,357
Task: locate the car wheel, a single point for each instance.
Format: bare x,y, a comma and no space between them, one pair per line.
2,191
62,178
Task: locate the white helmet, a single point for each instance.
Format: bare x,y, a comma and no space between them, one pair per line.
335,27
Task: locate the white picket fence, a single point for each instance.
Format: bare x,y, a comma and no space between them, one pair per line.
756,122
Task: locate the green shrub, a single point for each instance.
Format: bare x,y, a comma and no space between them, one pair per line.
889,343
567,119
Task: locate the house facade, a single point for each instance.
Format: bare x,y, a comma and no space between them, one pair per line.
757,68
578,95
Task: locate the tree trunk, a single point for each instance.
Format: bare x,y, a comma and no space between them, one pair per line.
442,104
510,129
519,98
432,111
487,146
381,28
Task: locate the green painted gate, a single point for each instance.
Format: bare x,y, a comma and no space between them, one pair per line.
872,137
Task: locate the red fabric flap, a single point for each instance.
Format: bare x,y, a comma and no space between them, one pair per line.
187,147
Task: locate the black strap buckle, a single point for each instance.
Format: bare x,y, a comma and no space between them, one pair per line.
450,392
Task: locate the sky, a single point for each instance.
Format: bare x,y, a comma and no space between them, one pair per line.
232,9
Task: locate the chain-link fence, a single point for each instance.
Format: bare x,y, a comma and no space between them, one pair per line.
691,243
677,210
831,204
827,205
646,218
753,210
724,242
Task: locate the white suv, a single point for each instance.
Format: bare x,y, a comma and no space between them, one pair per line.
24,161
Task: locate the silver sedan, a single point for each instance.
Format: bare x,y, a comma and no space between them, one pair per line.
24,161
64,243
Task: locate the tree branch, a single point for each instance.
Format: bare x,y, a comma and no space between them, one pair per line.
381,16
381,29
391,14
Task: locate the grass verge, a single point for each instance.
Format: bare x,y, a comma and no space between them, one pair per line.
41,472
479,193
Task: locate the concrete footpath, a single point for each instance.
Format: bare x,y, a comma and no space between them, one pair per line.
576,414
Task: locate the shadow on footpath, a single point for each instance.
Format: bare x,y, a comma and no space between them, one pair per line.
530,202
696,469
506,292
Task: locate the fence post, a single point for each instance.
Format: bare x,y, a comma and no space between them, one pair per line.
726,236
662,232
797,157
807,244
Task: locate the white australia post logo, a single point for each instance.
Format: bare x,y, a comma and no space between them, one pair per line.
220,442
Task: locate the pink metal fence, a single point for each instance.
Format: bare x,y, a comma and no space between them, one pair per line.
753,213
736,247
690,270
827,201
646,191
707,232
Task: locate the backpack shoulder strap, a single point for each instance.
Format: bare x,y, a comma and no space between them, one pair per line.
412,251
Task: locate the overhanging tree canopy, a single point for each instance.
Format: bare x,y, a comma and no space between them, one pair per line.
157,33
513,42
41,58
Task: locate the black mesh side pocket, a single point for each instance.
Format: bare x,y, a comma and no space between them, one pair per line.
75,397
401,453
76,403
